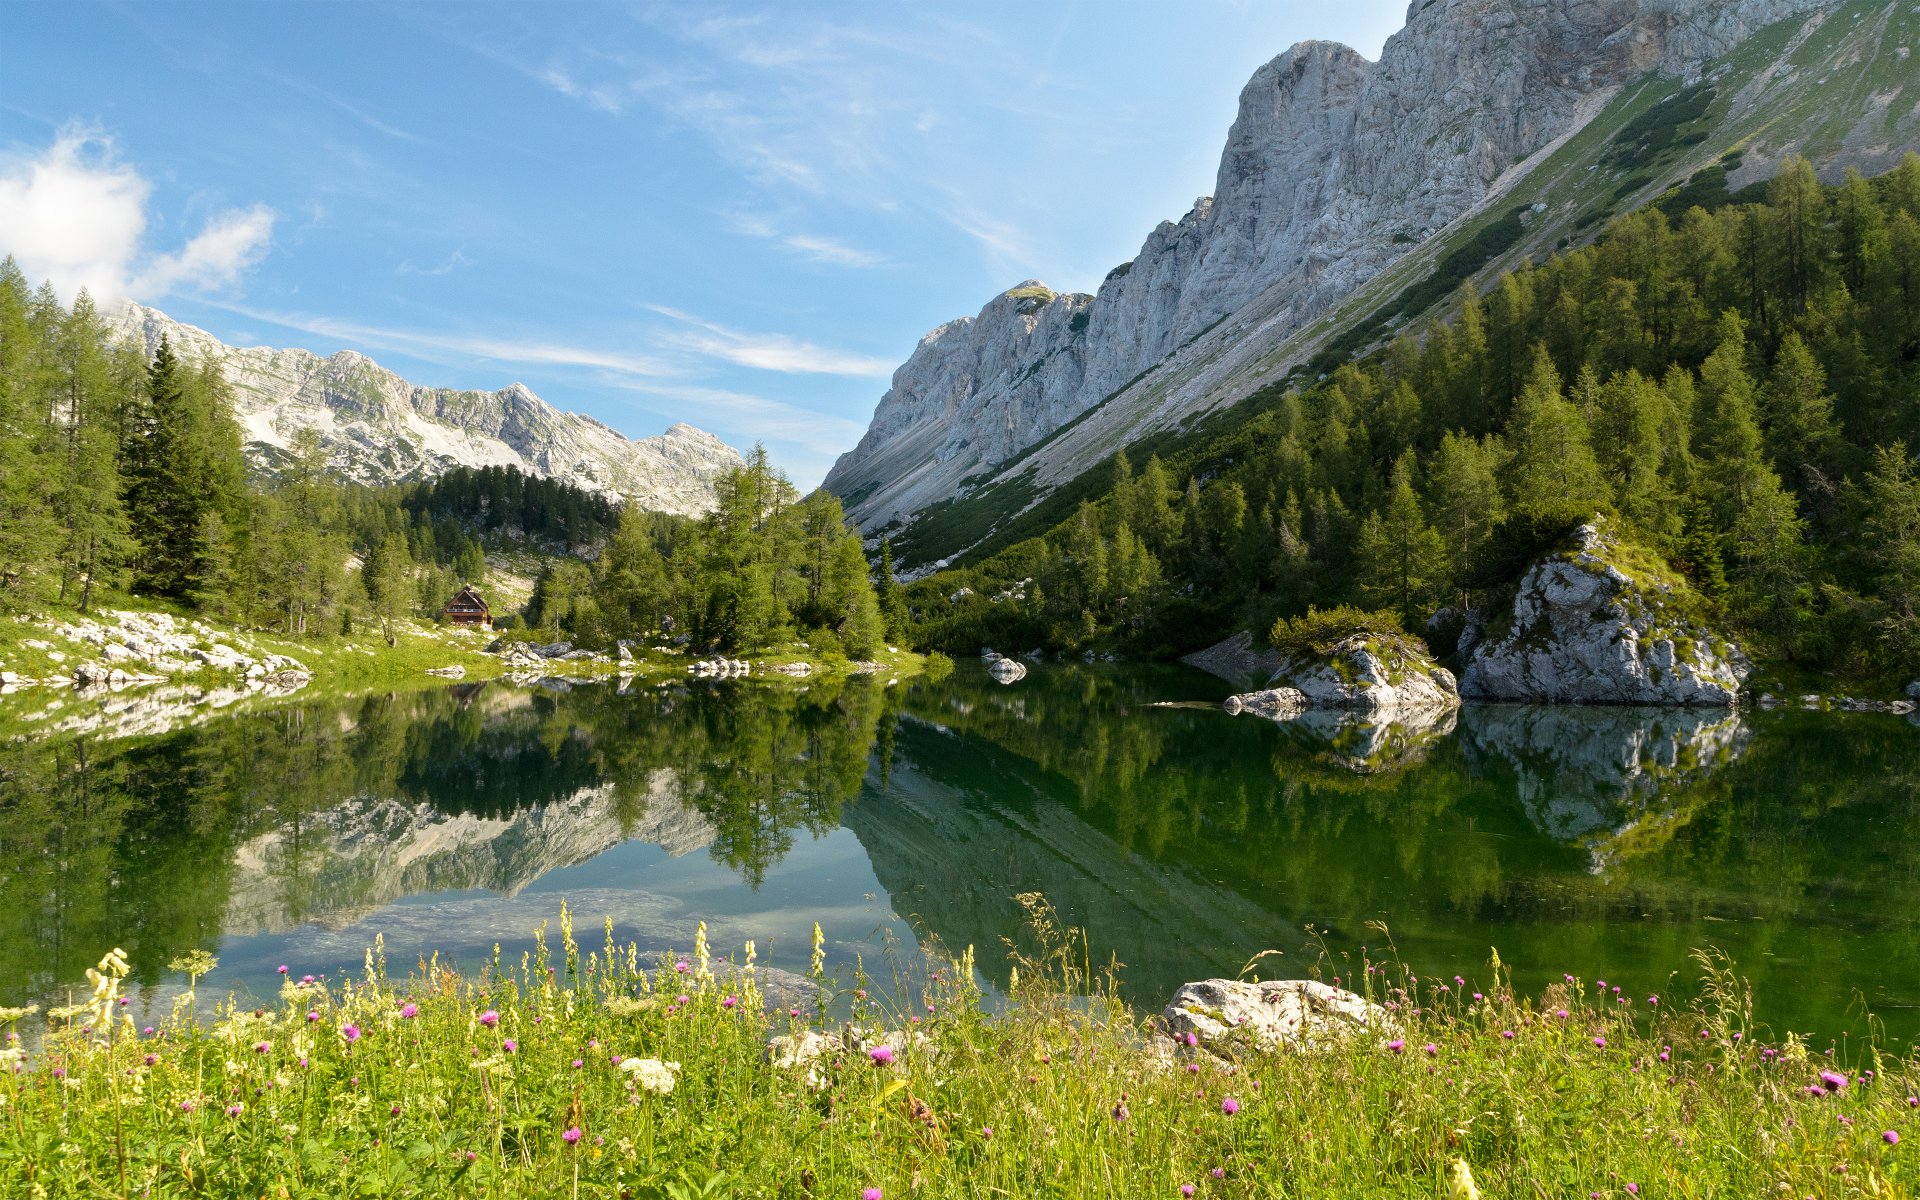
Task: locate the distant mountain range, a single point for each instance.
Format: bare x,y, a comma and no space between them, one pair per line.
379,428
1352,198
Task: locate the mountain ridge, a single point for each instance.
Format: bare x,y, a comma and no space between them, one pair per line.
1477,106
379,428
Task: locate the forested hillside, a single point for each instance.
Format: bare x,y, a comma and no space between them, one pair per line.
764,567
1741,387
124,477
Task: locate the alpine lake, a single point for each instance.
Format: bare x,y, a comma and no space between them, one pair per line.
1606,843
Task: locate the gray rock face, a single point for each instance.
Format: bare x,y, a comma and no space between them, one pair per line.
1588,631
1298,1013
1007,670
1371,676
378,428
1275,704
1333,169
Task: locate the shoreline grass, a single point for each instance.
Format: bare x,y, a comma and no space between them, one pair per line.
587,1072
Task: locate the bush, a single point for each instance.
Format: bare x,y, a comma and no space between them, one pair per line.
1320,630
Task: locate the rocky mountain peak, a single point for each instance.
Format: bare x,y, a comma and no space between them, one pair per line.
379,428
1334,169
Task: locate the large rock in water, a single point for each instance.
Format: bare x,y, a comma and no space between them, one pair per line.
1371,673
1599,622
1280,1012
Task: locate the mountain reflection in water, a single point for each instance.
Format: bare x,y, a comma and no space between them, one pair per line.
1603,842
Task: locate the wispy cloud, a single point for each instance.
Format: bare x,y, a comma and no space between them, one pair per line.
438,346
76,215
768,351
774,420
811,246
454,262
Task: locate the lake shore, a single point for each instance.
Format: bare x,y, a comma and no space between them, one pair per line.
152,669
581,1070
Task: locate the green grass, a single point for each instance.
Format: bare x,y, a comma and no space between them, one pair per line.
508,1083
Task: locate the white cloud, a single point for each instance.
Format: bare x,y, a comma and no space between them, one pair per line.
770,351
76,216
222,252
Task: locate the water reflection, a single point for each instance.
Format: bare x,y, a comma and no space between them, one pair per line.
1604,841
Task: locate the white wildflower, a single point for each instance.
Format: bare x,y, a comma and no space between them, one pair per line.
652,1074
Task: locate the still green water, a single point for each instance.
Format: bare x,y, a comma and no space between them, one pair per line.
1606,843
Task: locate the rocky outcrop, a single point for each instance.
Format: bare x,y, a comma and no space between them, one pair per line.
1334,168
1275,704
1295,1013
378,428
1371,673
1599,622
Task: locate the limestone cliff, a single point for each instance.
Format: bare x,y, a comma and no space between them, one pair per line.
1599,622
1341,178
379,428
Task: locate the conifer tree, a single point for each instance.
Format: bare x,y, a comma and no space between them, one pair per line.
1402,560
1553,462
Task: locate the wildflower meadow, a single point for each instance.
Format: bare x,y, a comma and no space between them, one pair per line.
592,1073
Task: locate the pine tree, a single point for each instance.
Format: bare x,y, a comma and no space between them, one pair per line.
389,593
1802,436
1553,463
1463,494
1891,546
1402,560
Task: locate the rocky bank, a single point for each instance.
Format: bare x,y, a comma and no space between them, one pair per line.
1599,622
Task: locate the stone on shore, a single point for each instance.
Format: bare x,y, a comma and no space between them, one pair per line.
1300,1013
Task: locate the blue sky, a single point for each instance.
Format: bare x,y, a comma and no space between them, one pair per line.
739,217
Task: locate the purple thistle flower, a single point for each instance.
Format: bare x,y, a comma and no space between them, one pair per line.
578,1063
1600,1042
1186,1189
1890,1138
729,1002
1431,1049
1120,1112
283,968
489,1018
351,1033
682,966
882,1056
233,1110
509,1045
1397,1046
1229,1106
1219,1172
312,1016
870,1194
572,1136
1507,1034
1834,1080
409,1010
1560,1013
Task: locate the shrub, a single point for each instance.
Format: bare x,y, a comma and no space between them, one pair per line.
1320,630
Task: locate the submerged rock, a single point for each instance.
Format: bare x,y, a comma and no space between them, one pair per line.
1598,622
1371,673
1280,1012
1235,659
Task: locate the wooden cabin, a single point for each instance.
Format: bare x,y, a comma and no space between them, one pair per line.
467,608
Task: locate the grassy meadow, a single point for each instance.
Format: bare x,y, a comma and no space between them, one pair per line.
588,1072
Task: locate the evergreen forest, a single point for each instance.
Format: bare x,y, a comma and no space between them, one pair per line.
1738,388
123,477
